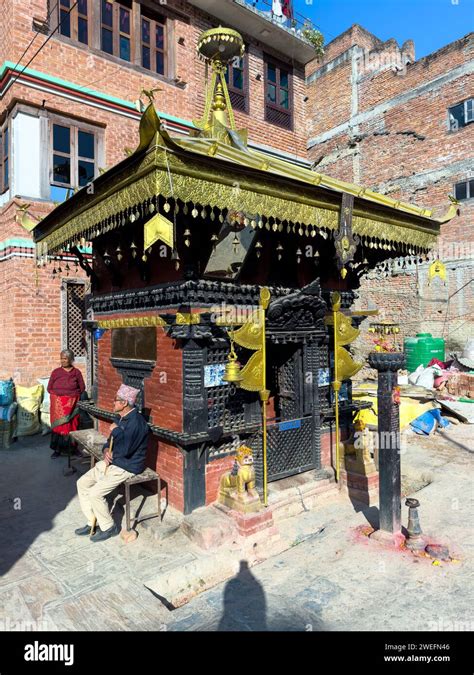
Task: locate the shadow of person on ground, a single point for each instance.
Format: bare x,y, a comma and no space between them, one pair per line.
245,606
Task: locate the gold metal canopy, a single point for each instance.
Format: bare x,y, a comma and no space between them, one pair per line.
215,171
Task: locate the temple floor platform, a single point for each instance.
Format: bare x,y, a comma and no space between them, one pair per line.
318,569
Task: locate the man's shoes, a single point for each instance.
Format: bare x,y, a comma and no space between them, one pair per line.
82,531
102,536
55,454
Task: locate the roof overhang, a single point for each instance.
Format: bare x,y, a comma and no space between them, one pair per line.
250,21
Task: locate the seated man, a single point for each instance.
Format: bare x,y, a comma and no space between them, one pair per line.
124,456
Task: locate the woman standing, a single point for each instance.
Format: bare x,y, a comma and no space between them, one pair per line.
65,386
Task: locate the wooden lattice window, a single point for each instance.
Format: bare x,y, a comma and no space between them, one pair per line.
75,313
278,94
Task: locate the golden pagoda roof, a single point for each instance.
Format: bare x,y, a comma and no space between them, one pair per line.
215,168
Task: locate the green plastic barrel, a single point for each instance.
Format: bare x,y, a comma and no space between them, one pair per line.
421,349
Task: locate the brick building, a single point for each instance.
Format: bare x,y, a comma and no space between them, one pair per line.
71,112
405,128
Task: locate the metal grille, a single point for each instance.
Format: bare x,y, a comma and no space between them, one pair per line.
289,452
280,117
225,405
238,100
75,314
324,391
289,388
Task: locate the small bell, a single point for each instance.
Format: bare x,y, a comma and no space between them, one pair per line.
214,240
133,249
280,249
175,257
106,257
187,237
299,253
118,251
258,248
232,368
235,243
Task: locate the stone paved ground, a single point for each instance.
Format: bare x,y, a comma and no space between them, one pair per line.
332,577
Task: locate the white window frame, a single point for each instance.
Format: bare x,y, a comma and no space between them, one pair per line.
75,127
469,110
468,189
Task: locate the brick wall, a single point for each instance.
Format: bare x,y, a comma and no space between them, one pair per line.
387,128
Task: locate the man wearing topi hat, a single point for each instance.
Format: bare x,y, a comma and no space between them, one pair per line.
124,456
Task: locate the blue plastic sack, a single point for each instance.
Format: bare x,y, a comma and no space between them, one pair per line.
424,424
7,392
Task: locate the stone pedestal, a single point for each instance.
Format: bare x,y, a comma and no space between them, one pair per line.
359,475
387,364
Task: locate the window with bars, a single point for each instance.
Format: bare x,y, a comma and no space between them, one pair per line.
278,94
74,314
74,155
74,20
461,114
464,190
4,158
237,81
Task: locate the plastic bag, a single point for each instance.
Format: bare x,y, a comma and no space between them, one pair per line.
7,392
29,400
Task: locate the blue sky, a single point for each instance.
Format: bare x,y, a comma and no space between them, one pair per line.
430,23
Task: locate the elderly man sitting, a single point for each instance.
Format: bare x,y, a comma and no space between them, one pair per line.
124,456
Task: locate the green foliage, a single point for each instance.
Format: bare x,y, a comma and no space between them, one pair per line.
315,37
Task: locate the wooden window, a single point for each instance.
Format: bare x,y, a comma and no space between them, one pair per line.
278,94
237,82
74,308
464,191
153,44
4,159
74,23
116,28
74,155
461,114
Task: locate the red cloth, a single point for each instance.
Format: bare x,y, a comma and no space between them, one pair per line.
62,406
64,383
288,9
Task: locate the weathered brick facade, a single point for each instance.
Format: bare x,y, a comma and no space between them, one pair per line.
380,119
82,84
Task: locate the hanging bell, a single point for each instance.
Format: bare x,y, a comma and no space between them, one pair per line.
214,240
187,237
175,257
118,251
299,253
235,244
133,249
232,368
279,249
106,257
258,248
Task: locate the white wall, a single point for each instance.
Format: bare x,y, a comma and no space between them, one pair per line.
27,168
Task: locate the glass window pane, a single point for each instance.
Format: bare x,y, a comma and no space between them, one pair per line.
65,3
86,172
284,99
61,138
107,17
107,41
124,21
271,93
160,63
61,169
5,174
58,194
5,142
460,191
82,7
238,78
125,48
86,144
470,110
145,31
283,79
471,189
65,24
160,37
271,73
82,31
456,117
146,57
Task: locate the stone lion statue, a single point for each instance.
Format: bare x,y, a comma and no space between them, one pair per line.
237,487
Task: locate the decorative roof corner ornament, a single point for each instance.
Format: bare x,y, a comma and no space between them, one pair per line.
452,211
218,47
345,242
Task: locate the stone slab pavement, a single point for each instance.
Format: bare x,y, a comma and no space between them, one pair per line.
331,577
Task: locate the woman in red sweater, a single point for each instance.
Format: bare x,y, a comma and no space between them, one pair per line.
65,386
